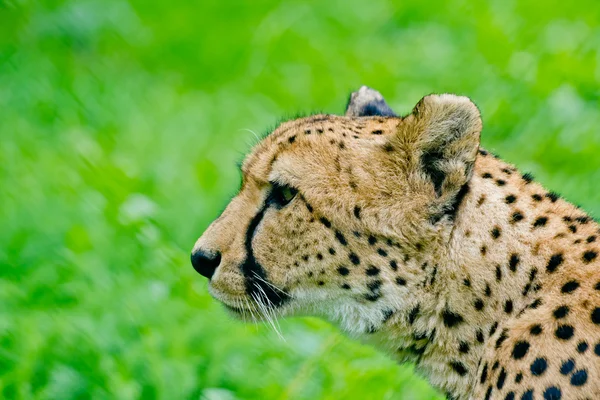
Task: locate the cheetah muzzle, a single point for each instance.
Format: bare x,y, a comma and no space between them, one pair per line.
406,234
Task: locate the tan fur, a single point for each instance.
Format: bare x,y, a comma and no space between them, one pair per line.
369,244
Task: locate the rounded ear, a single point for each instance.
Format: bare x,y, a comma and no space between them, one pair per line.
367,102
441,138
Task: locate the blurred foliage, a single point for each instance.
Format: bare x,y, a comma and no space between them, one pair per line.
121,123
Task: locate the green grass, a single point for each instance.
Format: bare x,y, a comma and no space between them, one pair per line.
121,124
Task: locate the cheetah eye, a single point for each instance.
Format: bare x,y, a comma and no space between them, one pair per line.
281,195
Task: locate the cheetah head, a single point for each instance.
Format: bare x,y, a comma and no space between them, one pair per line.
332,207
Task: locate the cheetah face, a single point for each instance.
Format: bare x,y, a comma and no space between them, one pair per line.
330,206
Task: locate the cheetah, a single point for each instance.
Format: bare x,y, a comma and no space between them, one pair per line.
407,235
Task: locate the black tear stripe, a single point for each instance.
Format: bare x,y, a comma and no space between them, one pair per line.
250,267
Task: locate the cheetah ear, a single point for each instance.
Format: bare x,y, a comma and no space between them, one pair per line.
366,102
442,138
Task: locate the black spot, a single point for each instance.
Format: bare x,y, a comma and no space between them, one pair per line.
567,367
513,262
535,329
536,197
332,251
479,304
343,271
346,286
539,366
582,347
573,228
325,222
569,287
307,132
510,396
377,132
393,265
354,258
382,252
532,274
495,366
319,256
596,316
321,283
400,281
484,374
564,332
520,350
488,393
511,198
493,328
528,178
341,238
528,395
597,286
413,314
387,314
463,347
292,139
486,175
589,256
554,262
561,312
501,339
375,290
372,271
372,240
501,379
500,182
483,152
518,378
357,212
451,319
458,367
488,290
467,282
516,217
540,221
591,239
483,250
552,393
535,304
579,378
495,232
508,306
498,273
553,196
481,338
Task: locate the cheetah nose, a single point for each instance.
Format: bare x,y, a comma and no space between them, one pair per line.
205,263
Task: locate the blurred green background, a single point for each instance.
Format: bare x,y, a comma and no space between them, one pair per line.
121,123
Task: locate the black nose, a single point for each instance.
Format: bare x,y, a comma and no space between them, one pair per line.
205,263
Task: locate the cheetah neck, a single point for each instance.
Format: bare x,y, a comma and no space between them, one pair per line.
487,274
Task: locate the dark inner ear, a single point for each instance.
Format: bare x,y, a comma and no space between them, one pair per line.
368,102
429,161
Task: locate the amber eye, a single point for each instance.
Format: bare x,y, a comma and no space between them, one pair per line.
281,195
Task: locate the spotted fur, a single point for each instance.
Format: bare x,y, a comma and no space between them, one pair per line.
407,235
